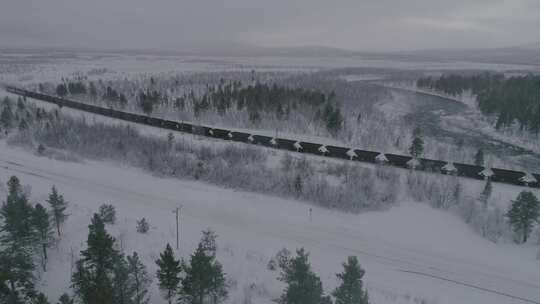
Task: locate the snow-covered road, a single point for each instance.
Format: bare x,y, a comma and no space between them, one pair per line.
410,252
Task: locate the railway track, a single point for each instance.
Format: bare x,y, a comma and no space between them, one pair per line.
400,161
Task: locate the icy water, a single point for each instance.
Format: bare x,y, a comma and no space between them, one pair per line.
428,112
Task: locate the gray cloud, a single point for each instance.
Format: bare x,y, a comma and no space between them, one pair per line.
187,24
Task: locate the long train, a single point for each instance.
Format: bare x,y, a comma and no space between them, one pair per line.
400,161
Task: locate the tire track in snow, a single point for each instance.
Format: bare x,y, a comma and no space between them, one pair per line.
471,286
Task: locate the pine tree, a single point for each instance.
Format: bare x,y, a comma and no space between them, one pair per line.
523,213
350,290
107,212
479,158
16,272
40,299
122,282
6,117
417,147
58,206
61,90
303,285
65,299
208,242
298,184
204,275
17,240
170,140
141,280
17,213
486,193
92,280
45,232
142,226
168,274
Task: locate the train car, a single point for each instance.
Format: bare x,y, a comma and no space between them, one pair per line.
186,127
338,152
469,170
287,144
262,140
431,165
507,176
240,137
170,125
366,156
398,160
219,133
311,148
536,183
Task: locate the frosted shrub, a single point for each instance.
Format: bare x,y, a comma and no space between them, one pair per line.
107,213
142,226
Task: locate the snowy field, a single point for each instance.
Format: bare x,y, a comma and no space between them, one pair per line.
412,253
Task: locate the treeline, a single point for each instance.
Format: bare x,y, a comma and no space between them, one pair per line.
512,100
78,87
105,275
258,100
270,99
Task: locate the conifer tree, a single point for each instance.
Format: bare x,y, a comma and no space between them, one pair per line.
6,117
303,285
45,232
141,280
17,240
350,290
65,299
16,272
486,193
143,226
168,274
479,158
58,206
92,280
16,212
61,90
122,282
417,146
107,212
523,213
40,299
204,278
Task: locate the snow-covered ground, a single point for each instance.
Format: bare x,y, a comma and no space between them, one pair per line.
412,253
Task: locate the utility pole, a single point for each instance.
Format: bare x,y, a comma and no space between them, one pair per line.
177,213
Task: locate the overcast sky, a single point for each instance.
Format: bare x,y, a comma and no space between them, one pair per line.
384,25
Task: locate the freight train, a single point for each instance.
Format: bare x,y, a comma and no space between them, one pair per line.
345,153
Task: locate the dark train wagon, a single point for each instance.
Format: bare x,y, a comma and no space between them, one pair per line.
338,152
218,133
239,136
266,141
432,165
398,160
507,176
469,170
287,144
366,156
186,127
311,148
